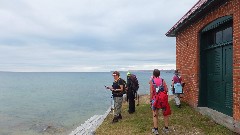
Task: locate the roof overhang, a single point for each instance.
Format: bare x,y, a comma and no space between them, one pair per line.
198,11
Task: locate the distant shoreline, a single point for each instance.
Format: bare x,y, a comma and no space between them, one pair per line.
167,70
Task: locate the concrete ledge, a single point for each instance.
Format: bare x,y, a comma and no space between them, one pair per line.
221,118
90,126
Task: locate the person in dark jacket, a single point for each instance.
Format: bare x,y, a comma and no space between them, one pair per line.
130,95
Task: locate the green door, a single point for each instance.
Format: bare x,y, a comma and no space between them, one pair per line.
216,79
228,79
219,79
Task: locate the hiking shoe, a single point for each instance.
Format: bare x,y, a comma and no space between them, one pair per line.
178,106
155,132
119,116
131,112
115,119
165,130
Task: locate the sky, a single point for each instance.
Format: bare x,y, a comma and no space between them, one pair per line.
88,35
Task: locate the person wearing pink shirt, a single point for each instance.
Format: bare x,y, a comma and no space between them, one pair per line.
159,100
177,88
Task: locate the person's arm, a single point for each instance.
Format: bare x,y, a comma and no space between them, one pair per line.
182,83
165,86
173,81
128,84
121,88
110,88
151,92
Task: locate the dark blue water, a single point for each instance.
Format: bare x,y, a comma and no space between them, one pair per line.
56,103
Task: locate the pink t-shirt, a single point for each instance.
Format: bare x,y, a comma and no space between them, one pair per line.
158,82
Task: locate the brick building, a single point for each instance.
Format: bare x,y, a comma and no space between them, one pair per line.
208,58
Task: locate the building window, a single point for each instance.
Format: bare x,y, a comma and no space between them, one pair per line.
227,34
218,37
210,38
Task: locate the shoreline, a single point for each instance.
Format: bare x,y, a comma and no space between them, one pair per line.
89,126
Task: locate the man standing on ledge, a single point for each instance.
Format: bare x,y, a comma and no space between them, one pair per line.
130,94
117,92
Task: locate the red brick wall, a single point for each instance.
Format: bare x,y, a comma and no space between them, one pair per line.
188,54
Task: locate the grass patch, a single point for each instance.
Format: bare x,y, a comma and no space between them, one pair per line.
185,121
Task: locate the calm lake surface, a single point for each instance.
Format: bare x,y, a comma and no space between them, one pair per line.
56,103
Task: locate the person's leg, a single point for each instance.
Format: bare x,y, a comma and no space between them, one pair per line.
179,97
131,103
118,108
166,113
118,105
155,118
115,105
177,100
116,111
165,121
120,100
155,121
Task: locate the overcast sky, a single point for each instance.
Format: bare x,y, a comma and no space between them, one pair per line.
88,35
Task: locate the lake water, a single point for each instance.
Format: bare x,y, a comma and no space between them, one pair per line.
56,103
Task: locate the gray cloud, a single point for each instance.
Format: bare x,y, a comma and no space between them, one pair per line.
88,35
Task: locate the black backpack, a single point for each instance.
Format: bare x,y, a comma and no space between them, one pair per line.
134,82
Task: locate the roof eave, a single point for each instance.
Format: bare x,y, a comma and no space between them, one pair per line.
201,8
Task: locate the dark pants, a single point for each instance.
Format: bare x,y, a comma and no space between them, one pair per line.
131,101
